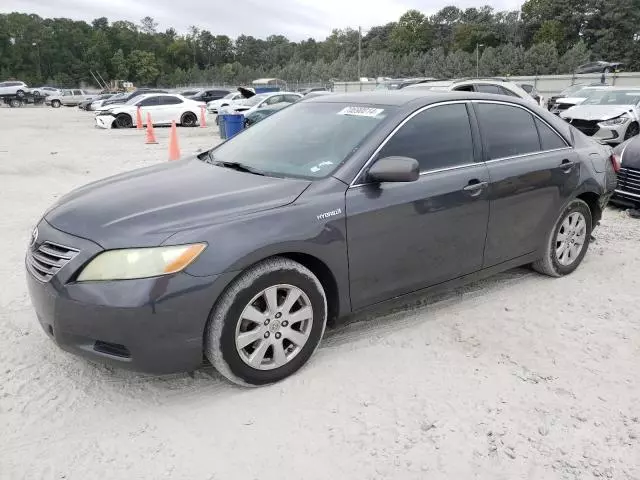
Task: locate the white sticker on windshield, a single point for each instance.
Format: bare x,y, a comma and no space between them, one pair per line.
361,111
318,167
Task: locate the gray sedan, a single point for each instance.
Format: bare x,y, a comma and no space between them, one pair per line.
245,252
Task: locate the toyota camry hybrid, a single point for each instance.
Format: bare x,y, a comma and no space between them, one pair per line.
241,255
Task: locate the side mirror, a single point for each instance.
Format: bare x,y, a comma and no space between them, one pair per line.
394,169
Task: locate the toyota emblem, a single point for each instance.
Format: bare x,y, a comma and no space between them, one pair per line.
34,237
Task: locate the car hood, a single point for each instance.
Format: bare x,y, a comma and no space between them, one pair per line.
572,100
596,112
146,206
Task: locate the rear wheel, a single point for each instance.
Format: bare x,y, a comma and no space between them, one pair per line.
568,241
632,130
124,121
188,119
267,324
20,93
56,103
14,102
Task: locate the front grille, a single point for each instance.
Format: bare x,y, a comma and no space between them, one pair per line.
588,127
629,180
48,259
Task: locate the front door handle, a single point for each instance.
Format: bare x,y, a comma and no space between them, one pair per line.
475,187
566,165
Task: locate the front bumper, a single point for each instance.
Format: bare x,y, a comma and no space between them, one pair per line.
153,325
104,121
611,135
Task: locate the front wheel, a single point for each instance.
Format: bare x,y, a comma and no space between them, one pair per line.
267,324
20,94
124,121
188,119
56,103
568,241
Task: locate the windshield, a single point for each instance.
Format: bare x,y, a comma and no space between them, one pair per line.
256,99
230,96
571,90
613,97
305,140
134,100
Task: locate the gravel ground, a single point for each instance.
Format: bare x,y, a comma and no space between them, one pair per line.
517,377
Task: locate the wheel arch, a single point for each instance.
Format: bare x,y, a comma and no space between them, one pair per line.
592,199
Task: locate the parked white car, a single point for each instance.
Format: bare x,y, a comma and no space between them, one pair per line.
14,88
214,105
496,86
609,114
97,104
69,98
163,107
264,100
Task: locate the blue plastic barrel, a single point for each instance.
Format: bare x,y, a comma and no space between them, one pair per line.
233,124
221,119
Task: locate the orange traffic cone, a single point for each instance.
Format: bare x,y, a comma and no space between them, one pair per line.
151,135
203,118
174,148
138,119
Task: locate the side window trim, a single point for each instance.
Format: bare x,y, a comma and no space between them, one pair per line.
497,102
356,183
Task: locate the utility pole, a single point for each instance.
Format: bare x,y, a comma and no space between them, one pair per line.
359,53
35,44
478,45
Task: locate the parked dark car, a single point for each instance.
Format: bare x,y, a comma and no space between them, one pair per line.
208,95
600,67
335,204
86,105
135,93
627,192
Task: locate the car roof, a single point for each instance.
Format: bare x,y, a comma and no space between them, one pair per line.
413,97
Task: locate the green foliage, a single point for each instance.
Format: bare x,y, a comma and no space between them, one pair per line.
545,36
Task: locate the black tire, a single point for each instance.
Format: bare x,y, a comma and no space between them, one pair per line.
549,264
189,119
632,130
124,120
20,94
56,103
607,70
14,103
220,334
36,93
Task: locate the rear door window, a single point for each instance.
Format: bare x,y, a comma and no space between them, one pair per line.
506,130
439,137
549,140
483,88
77,92
169,100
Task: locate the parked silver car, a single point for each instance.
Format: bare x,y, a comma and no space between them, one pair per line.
68,98
497,86
609,114
14,88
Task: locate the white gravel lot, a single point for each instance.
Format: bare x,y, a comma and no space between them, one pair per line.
517,377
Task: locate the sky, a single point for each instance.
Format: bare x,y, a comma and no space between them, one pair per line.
296,19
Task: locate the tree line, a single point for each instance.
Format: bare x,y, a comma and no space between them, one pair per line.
544,37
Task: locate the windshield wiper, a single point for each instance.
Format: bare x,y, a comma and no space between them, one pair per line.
240,167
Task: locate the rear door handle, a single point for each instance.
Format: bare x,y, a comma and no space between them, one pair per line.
475,187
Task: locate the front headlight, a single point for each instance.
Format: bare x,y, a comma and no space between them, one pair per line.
133,263
621,120
104,112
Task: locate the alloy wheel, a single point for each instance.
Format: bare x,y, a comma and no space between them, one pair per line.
571,238
274,327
